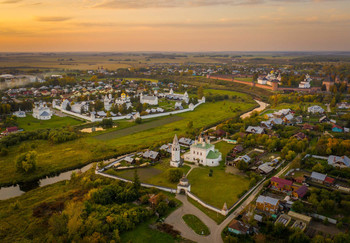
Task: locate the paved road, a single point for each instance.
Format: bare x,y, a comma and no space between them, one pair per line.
175,219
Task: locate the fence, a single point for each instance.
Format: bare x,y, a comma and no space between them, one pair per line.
127,117
330,220
167,189
194,197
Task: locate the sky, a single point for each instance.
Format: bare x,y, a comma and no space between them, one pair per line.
174,25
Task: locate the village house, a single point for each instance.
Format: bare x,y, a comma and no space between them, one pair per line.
315,109
238,227
255,130
340,162
267,204
281,184
300,192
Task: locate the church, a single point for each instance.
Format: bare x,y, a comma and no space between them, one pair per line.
204,153
42,112
175,153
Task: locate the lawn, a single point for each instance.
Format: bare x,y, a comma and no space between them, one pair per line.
29,123
156,175
143,233
224,148
196,224
217,217
218,189
137,128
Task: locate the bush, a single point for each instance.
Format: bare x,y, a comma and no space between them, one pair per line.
138,120
4,152
26,162
174,174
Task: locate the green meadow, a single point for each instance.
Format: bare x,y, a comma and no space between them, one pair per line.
29,123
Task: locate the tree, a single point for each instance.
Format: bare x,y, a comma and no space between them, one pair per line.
298,206
26,162
318,168
138,120
161,208
174,174
298,237
190,125
242,165
68,107
200,92
136,181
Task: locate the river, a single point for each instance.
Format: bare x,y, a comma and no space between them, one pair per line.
19,189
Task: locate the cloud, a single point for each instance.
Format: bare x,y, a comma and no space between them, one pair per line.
10,1
140,4
52,18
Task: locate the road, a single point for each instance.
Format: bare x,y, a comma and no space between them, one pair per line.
262,106
175,219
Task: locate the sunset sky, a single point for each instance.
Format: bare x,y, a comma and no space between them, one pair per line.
174,25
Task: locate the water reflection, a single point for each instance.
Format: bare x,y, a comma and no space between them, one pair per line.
17,190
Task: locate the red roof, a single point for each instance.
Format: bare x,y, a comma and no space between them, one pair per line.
12,129
301,191
329,180
281,181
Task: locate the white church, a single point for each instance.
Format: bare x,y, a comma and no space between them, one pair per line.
175,153
151,100
204,153
42,112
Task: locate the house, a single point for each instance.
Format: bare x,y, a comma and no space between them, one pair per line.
323,119
238,227
315,109
19,113
329,181
267,204
281,184
186,141
300,136
204,153
336,128
265,168
238,149
11,130
152,155
318,177
300,192
130,160
255,130
308,127
245,158
337,161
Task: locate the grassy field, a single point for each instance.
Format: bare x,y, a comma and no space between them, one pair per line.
29,123
196,224
143,233
156,175
16,223
218,218
51,158
223,187
224,148
138,128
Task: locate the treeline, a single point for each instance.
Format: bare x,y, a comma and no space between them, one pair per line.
52,135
